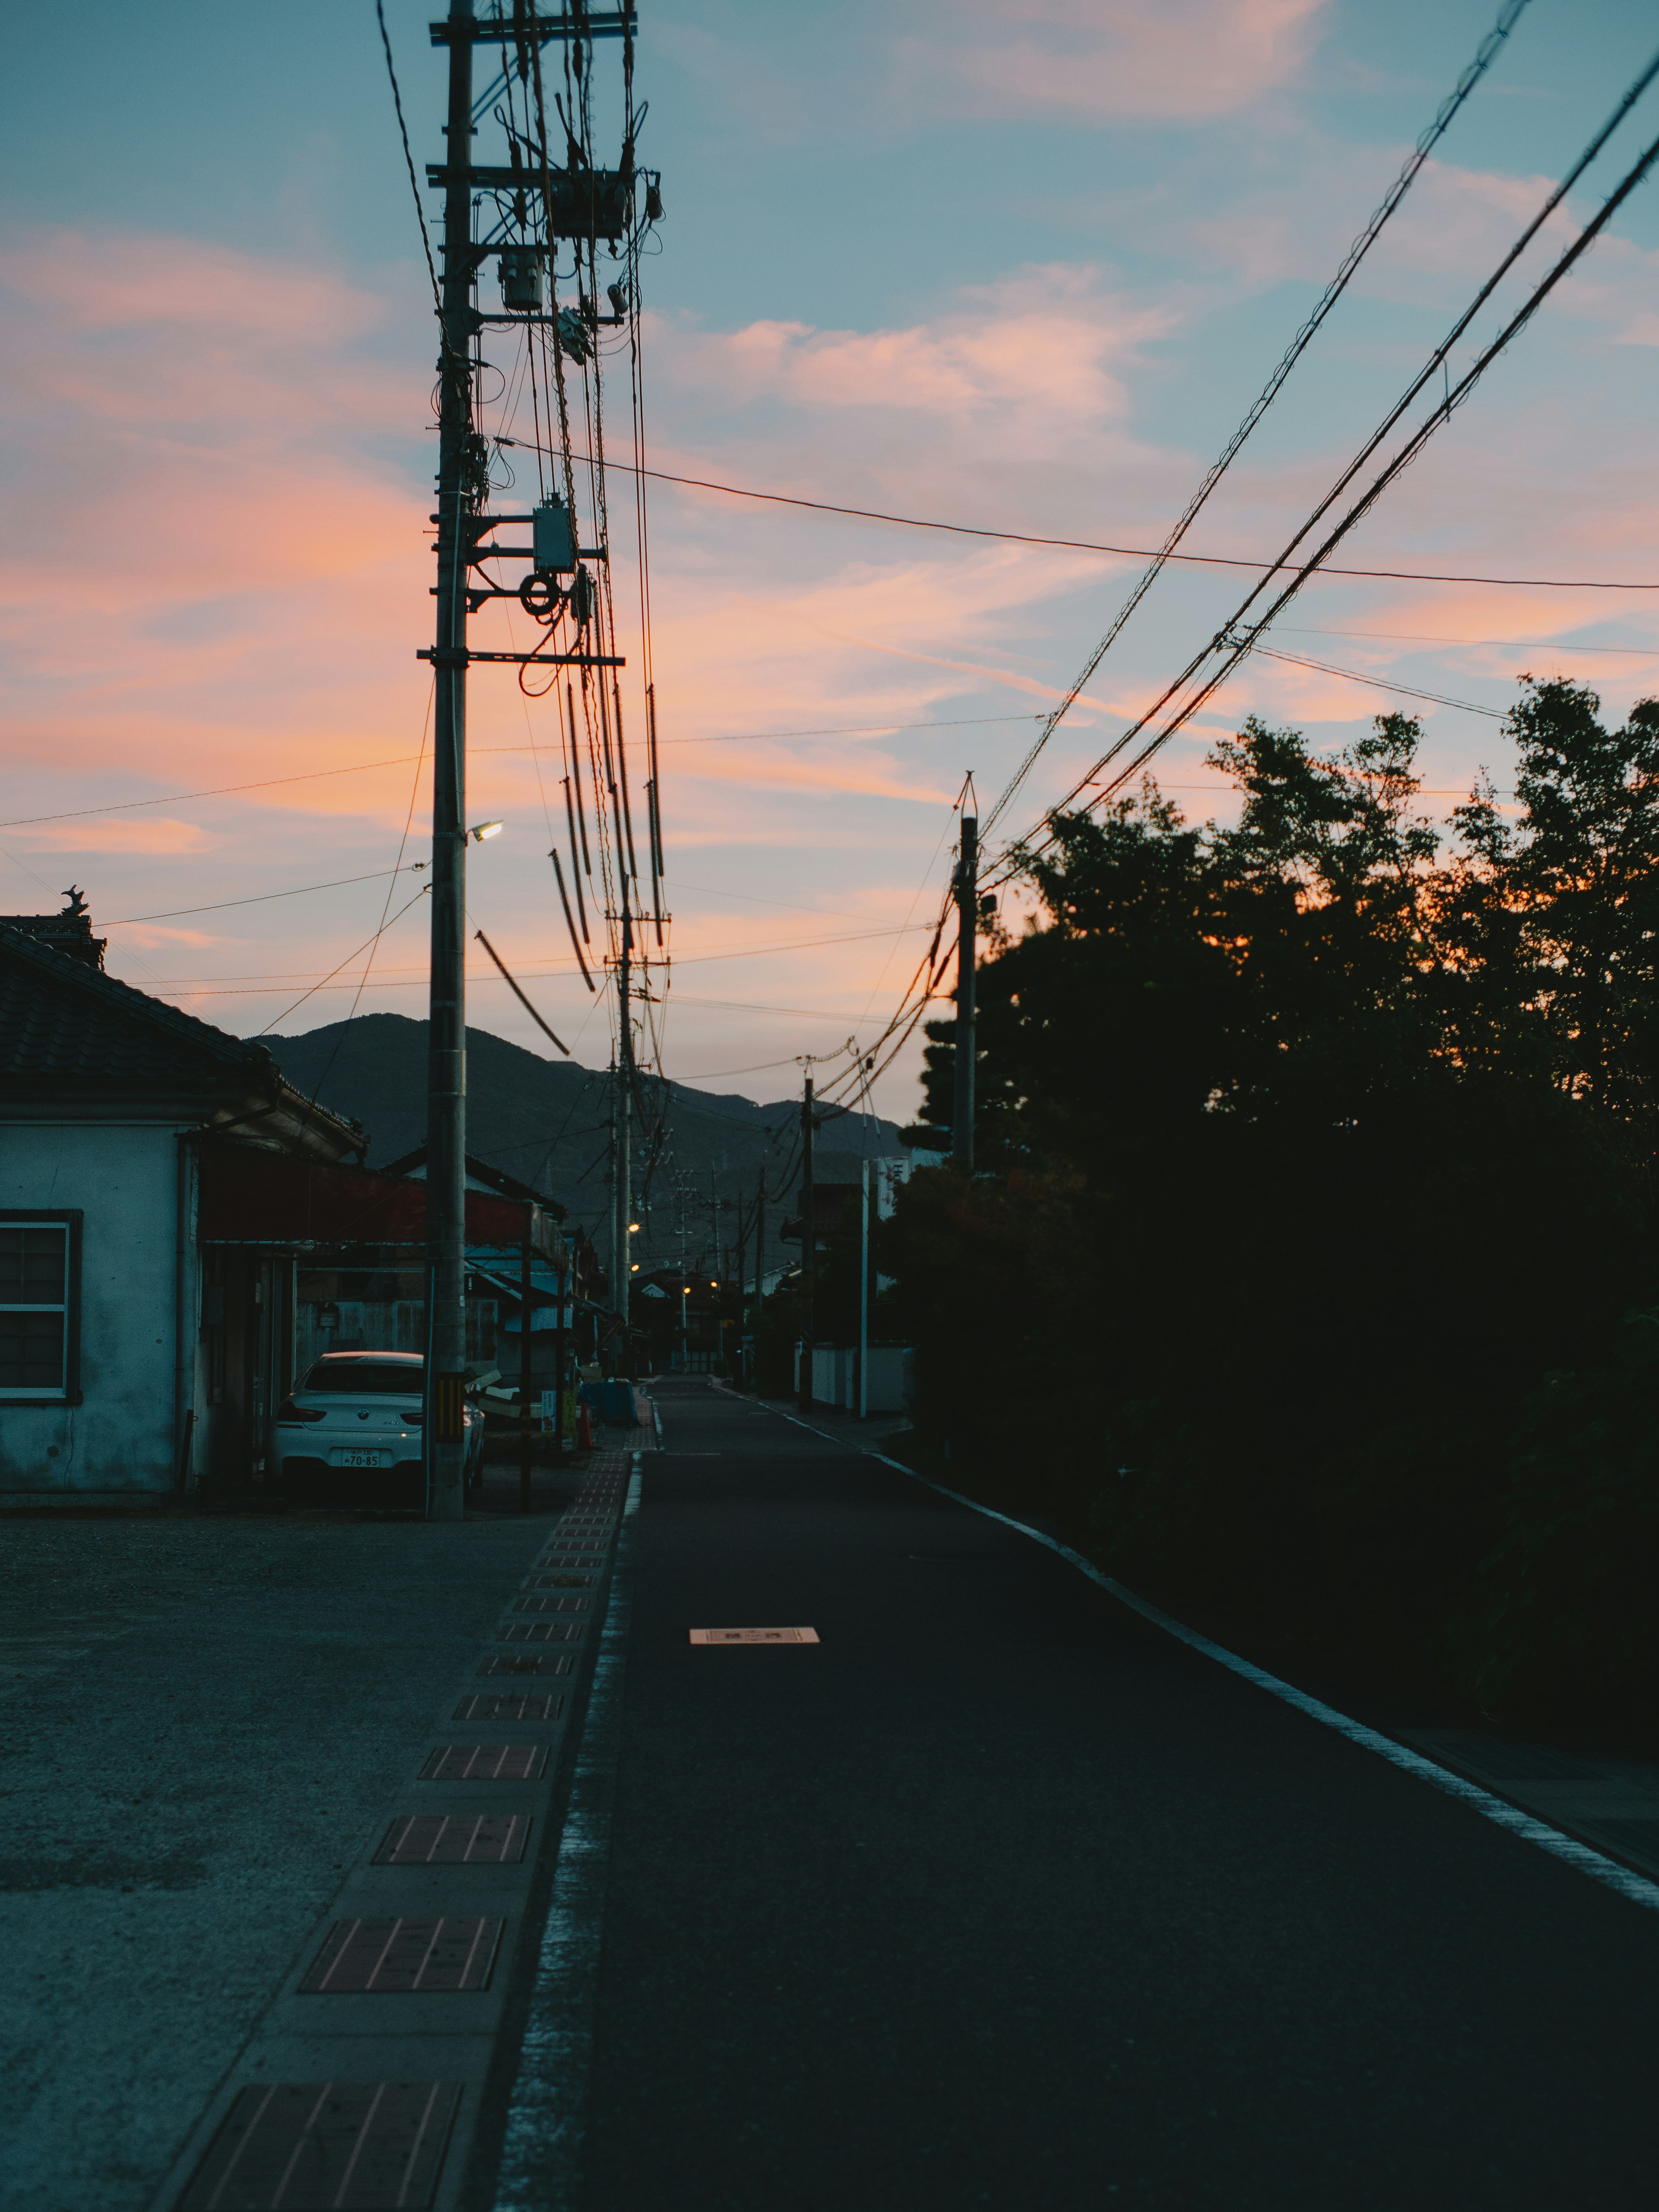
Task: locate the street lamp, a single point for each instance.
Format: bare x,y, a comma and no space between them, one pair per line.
480,831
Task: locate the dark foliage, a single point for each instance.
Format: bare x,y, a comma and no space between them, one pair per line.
1312,1155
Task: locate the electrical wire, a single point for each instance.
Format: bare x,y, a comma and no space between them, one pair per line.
1134,552
1509,15
1381,683
346,963
174,914
1234,646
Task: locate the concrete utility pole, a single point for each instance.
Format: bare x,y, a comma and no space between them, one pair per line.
967,893
445,1427
809,1253
624,1107
760,1235
864,1288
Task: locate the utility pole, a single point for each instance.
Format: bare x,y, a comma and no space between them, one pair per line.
809,1242
445,1426
525,1375
624,1103
760,1235
564,1287
743,1364
864,1288
967,894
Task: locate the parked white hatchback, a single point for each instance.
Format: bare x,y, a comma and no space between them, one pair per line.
351,1430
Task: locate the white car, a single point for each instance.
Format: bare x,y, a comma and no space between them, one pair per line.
357,1414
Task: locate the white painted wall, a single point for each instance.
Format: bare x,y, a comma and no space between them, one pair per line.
124,1180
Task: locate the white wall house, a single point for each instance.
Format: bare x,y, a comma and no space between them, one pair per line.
127,1353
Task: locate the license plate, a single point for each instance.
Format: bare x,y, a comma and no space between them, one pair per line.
355,1455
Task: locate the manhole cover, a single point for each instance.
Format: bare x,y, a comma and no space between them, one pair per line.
511,1706
403,1958
528,1663
351,2146
754,1636
486,1762
540,1631
454,1840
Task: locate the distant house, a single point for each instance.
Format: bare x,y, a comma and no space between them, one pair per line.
124,1348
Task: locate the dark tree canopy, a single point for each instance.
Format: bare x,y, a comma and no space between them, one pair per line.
1306,1141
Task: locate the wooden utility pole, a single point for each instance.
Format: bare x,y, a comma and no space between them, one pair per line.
967,895
809,1253
459,489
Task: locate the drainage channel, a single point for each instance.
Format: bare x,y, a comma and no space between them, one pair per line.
378,2078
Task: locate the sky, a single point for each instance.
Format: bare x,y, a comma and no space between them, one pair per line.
1016,264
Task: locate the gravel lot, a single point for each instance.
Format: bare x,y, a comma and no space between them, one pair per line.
200,1721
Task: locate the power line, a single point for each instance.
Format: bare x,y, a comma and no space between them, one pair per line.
1508,17
408,163
1124,552
1228,641
402,760
1435,637
1383,684
218,906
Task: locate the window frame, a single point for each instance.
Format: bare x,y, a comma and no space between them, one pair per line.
69,1218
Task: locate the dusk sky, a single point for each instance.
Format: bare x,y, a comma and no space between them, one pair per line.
1019,266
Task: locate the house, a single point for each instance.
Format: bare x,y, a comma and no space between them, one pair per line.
115,1328
161,1189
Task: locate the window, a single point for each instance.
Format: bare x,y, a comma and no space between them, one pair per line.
40,1299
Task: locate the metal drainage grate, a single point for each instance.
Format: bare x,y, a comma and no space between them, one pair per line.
528,1663
349,2146
486,1762
511,1706
454,1840
404,1957
565,1580
540,1631
754,1636
548,1605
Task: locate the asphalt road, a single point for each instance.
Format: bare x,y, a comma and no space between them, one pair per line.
999,1896
201,1723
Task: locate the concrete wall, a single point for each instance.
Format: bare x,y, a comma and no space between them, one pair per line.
125,1181
836,1376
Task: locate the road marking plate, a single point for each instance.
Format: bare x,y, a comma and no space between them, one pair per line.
486,1762
404,1957
362,2146
526,1663
754,1636
454,1840
511,1706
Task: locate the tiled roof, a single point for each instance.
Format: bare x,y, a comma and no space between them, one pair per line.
65,1023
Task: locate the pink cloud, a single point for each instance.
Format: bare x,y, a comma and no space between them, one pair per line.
1139,59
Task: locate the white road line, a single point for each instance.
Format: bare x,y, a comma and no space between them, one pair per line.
1608,1872
547,2114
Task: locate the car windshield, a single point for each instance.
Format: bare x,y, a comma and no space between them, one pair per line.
366,1379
